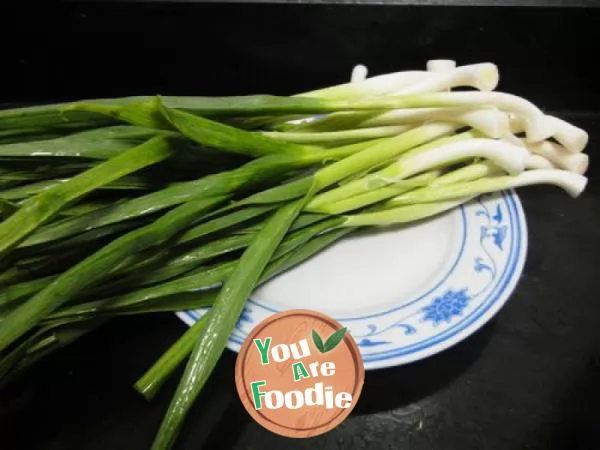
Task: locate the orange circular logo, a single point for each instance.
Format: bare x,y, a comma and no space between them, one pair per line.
299,373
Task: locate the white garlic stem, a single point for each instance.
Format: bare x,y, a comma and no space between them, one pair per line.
483,76
571,182
561,157
441,65
537,162
359,74
509,157
574,139
489,121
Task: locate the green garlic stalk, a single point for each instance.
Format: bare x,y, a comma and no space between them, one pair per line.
507,156
572,183
328,137
491,122
404,214
468,173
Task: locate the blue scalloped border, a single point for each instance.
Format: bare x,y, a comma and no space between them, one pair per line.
485,305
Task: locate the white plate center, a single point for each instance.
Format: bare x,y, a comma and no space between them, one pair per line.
368,273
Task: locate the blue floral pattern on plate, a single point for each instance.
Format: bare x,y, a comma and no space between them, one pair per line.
445,307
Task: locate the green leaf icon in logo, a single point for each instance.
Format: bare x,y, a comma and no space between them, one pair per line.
331,343
318,341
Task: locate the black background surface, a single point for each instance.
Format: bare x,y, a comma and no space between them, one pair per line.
530,379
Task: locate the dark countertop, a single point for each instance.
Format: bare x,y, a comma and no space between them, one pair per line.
530,379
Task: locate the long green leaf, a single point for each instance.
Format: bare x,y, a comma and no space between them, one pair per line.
158,267
99,266
23,192
154,378
103,143
194,281
298,188
88,238
47,116
234,106
169,303
224,137
154,114
165,267
31,169
264,169
202,280
83,208
228,220
57,115
149,384
13,294
7,209
39,209
83,112
225,313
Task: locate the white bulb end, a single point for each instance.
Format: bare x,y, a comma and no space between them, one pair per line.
561,157
512,139
574,139
517,125
491,122
538,128
573,183
486,76
577,163
440,65
359,74
537,162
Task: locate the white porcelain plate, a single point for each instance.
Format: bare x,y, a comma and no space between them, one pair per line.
408,292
